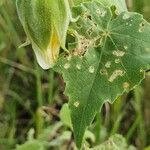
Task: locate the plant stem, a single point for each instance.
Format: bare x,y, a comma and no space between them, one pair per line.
51,87
38,116
138,99
98,127
16,39
38,86
132,129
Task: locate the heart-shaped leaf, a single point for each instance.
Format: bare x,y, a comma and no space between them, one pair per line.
110,58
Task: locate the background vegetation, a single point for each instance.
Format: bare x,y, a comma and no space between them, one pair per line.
30,98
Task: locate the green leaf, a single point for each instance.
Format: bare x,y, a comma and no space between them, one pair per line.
77,2
65,115
119,4
66,119
147,148
110,58
116,142
45,23
31,145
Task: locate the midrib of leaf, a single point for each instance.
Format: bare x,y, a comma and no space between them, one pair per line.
102,50
94,78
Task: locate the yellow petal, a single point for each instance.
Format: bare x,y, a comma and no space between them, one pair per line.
54,46
47,58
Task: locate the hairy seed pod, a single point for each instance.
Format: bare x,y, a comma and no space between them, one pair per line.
45,23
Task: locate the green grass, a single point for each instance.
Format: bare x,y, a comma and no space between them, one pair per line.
31,98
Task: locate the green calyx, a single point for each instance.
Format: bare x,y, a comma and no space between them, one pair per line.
45,23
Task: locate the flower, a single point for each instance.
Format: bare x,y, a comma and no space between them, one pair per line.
45,23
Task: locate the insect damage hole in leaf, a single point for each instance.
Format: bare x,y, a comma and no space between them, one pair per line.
107,69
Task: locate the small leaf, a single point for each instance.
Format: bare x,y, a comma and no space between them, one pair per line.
31,145
147,148
65,115
116,142
26,43
110,59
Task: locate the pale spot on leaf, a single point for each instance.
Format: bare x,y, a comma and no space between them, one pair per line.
116,74
69,57
141,70
103,71
91,69
67,66
141,29
108,64
78,66
118,53
117,61
126,85
126,16
125,47
98,11
76,104
101,13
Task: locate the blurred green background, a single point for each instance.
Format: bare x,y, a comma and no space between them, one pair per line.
31,98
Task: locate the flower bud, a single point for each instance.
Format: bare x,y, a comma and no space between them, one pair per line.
45,23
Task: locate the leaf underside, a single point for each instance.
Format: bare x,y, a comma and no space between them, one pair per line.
110,58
